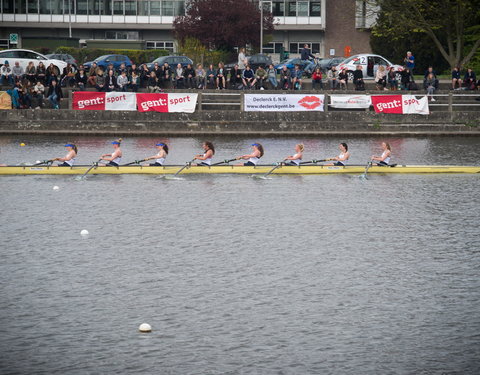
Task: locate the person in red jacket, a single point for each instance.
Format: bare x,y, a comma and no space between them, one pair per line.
317,78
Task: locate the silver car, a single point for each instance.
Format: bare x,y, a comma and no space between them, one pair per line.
369,64
24,56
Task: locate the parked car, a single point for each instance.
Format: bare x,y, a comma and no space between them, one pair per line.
105,60
69,59
24,56
255,61
172,61
290,64
327,63
369,64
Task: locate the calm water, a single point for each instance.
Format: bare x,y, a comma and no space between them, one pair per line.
293,275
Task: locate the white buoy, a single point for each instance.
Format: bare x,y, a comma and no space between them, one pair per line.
84,232
145,328
56,187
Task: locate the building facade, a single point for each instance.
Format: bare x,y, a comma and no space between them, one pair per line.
325,25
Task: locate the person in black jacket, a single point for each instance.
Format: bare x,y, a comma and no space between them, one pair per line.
189,74
456,80
470,80
358,79
54,94
236,78
406,79
166,75
111,81
305,53
81,79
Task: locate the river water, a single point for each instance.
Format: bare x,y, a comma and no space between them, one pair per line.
236,275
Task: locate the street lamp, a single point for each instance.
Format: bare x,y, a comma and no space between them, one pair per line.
261,25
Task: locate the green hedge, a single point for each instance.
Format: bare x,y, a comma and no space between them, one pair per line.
137,56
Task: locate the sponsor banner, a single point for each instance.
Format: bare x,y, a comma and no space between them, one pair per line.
121,101
350,101
88,100
5,100
283,102
167,102
403,104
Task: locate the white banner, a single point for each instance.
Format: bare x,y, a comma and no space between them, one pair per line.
182,102
412,105
121,101
283,102
350,101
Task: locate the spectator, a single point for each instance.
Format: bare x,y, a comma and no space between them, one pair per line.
260,77
100,81
285,78
68,76
6,74
200,76
36,98
406,79
429,71
110,67
134,81
111,81
297,78
30,73
144,76
178,79
51,74
248,78
122,68
39,88
392,79
25,98
166,75
317,78
358,79
430,84
306,54
236,81
343,79
18,72
54,94
381,78
272,76
14,94
410,61
92,73
470,80
81,79
332,77
152,83
456,80
189,74
132,69
122,81
211,76
157,70
41,72
221,76
242,60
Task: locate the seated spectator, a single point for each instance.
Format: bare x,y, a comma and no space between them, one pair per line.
39,89
122,68
189,74
332,76
14,94
248,78
381,78
18,72
152,83
272,76
285,78
317,78
470,80
211,76
122,81
297,75
111,81
100,81
144,76
41,72
92,74
110,67
406,79
200,76
456,80
134,81
6,74
132,69
343,79
25,98
221,76
236,82
81,79
36,98
68,76
430,84
358,79
166,75
54,94
158,70
392,79
260,77
429,71
30,73
51,74
178,79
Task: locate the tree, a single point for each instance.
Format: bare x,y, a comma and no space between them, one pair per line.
450,24
222,24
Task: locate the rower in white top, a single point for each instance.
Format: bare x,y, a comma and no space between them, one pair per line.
160,156
69,159
254,156
384,159
206,158
297,158
115,157
341,160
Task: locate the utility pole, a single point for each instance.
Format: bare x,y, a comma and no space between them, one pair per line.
261,25
69,18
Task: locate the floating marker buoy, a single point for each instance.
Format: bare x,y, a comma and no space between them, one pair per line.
145,328
84,232
57,188
22,144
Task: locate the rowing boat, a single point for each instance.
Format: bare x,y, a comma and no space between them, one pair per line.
235,169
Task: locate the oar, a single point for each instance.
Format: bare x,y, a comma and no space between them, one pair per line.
367,167
314,161
277,165
134,162
43,162
224,162
188,163
94,164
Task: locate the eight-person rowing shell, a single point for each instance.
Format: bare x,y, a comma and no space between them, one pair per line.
160,156
115,157
254,156
384,159
297,158
206,158
341,160
69,159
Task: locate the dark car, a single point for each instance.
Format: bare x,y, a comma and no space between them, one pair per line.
64,57
290,64
105,60
255,61
172,61
327,63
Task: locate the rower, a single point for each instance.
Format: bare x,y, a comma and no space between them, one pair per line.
69,159
160,156
116,156
383,160
341,160
254,157
297,158
206,158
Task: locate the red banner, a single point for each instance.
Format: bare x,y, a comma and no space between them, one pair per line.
89,100
152,102
387,103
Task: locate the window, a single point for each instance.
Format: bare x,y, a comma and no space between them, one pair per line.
20,7
302,8
275,47
380,61
142,8
105,7
292,9
130,8
118,7
160,45
179,8
315,9
278,8
267,6
57,7
122,35
7,6
45,7
82,6
297,47
33,6
154,8
167,8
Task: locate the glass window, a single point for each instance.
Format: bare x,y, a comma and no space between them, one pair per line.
154,8
142,9
82,7
315,47
130,8
8,55
57,6
118,7
45,7
20,6
292,8
33,6
167,8
315,9
7,6
105,7
302,8
293,47
179,8
380,61
278,8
